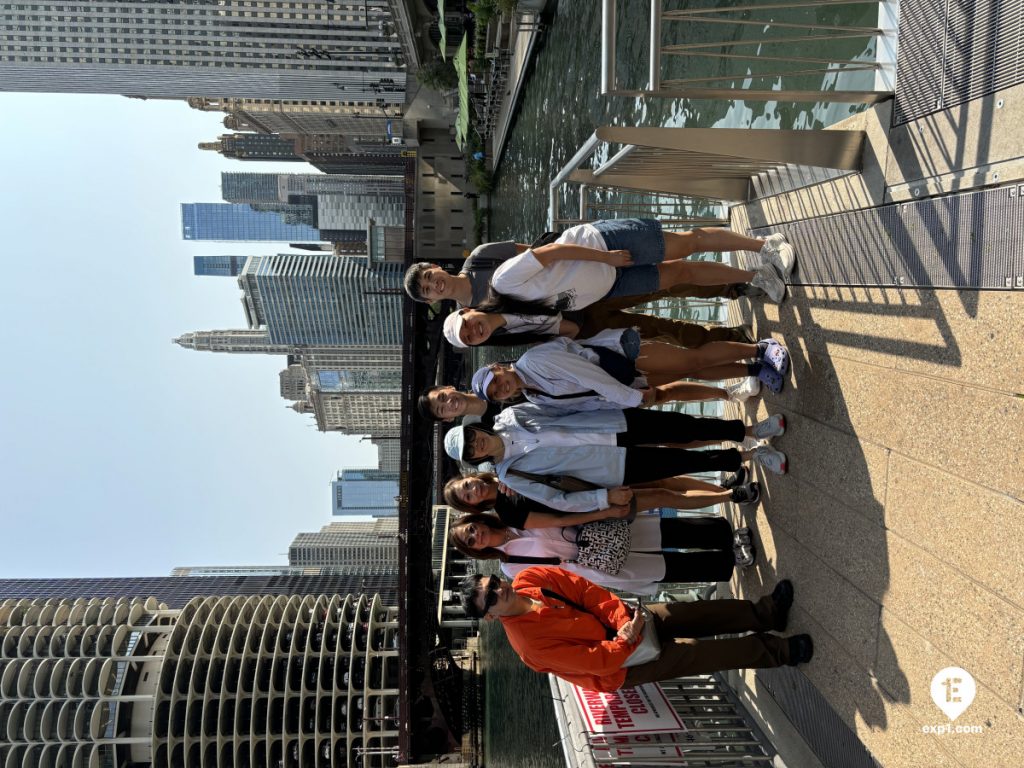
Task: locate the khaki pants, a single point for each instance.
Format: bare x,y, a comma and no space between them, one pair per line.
678,623
608,313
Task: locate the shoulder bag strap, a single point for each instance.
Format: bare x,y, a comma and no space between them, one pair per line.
533,560
609,632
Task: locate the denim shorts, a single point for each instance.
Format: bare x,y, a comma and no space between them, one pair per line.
645,242
641,237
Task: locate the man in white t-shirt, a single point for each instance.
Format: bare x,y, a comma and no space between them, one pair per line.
429,282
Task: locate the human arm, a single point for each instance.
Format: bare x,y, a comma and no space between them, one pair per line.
565,368
564,520
546,254
576,501
594,650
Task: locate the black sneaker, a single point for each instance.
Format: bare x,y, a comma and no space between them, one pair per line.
741,536
782,596
747,495
740,477
801,649
744,555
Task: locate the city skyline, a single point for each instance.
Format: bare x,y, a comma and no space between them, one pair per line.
130,444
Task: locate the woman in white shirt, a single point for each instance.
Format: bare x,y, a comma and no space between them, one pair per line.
651,559
627,257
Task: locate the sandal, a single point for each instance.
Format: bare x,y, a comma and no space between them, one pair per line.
775,355
771,378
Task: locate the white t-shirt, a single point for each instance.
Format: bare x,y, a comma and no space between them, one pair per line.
566,285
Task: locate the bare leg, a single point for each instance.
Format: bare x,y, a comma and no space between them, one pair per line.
679,245
648,499
656,357
684,391
681,483
699,273
719,372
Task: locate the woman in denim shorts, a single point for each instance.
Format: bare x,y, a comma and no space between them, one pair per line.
628,257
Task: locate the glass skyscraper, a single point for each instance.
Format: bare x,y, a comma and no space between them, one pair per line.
321,299
241,222
219,266
365,492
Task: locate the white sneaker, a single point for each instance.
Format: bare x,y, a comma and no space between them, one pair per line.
768,280
779,253
771,459
744,389
773,426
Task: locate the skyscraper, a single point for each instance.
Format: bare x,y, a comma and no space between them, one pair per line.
389,453
218,266
363,544
239,222
253,146
316,299
365,492
177,591
265,49
343,202
262,680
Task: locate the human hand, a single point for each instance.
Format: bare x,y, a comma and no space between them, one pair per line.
617,511
502,488
620,258
649,397
621,495
633,629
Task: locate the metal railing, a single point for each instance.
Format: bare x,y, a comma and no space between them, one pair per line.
717,730
686,163
768,48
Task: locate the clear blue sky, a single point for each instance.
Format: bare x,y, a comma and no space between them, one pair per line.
122,453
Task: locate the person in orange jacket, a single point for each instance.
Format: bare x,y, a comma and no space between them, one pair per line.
562,623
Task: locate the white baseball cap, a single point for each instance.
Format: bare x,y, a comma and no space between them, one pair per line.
455,442
452,326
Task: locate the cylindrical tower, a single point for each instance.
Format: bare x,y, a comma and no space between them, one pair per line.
225,682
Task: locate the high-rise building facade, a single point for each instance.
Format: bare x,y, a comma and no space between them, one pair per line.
367,124
354,413
260,680
218,266
343,202
177,591
264,49
253,146
389,453
363,544
365,492
239,222
319,300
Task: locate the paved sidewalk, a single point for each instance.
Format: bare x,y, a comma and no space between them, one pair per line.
901,522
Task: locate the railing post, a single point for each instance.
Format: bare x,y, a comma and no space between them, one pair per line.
608,79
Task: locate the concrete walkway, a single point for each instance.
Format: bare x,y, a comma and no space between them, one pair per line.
901,521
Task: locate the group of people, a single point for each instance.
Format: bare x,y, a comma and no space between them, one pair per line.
575,462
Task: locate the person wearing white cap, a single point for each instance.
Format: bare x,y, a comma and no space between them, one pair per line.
564,374
532,449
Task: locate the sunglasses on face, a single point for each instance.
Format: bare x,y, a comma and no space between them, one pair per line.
490,594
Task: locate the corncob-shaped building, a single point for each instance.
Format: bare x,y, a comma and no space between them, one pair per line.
226,682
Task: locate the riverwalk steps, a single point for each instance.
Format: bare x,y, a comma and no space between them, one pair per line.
901,521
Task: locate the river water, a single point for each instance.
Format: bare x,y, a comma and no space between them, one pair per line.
559,109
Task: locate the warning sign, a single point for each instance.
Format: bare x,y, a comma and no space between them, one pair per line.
643,709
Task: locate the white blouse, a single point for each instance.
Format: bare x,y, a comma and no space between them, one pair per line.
641,572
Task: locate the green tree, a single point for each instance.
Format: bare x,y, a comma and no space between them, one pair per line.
438,75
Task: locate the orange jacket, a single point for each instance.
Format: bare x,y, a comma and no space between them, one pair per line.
567,642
